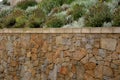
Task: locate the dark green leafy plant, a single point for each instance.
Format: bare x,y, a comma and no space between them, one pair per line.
54,22
116,17
97,15
26,3
48,5
20,22
5,12
10,20
5,2
36,19
77,11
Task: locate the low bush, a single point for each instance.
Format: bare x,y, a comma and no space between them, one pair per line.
36,19
20,22
54,22
48,5
97,15
26,3
9,22
5,12
116,17
77,11
5,2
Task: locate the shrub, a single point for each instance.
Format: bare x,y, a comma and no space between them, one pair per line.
30,10
36,19
9,22
5,12
5,2
17,12
77,11
26,3
116,17
68,1
54,22
97,15
20,22
48,5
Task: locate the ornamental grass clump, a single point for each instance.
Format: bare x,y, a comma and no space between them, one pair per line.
97,15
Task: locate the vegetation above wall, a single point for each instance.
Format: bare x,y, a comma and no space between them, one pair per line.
61,13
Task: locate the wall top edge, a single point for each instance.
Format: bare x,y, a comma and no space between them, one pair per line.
62,30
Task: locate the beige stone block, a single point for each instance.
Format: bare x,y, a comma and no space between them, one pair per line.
68,30
46,30
76,30
116,29
107,30
78,55
56,30
96,30
86,30
109,44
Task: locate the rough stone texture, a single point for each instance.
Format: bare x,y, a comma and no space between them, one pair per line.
62,56
109,44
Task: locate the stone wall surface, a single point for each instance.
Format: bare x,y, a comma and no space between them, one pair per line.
59,56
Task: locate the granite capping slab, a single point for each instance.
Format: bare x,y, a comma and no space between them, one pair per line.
62,30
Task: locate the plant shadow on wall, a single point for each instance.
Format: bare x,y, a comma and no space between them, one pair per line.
60,13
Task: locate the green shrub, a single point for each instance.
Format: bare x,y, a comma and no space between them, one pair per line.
30,10
9,22
5,2
5,12
26,3
54,22
65,1
20,22
77,11
97,15
48,5
17,12
116,17
36,19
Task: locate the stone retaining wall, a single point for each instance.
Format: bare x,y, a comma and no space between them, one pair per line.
60,54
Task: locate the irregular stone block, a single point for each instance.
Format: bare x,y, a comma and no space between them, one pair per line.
78,55
109,44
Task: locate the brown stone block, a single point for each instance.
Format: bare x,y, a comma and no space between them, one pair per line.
29,54
34,56
90,66
118,47
78,55
64,70
45,47
74,70
14,63
108,43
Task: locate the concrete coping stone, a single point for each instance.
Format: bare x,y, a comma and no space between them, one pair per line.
62,30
